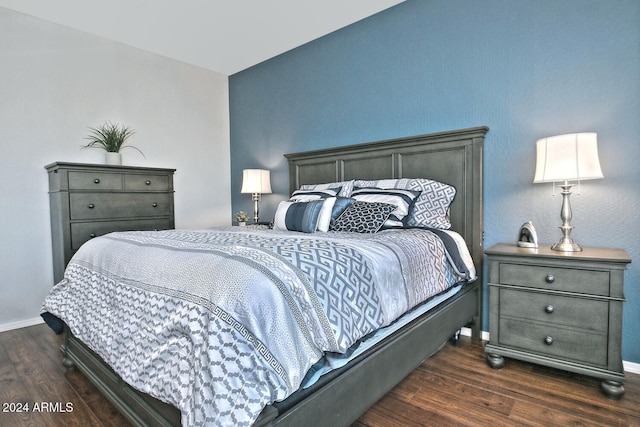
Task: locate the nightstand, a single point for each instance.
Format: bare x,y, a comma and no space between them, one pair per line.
558,309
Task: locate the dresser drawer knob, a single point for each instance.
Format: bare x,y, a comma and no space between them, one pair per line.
147,182
548,340
96,181
155,205
91,206
549,309
550,278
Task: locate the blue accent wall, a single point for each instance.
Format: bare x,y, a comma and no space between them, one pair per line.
525,69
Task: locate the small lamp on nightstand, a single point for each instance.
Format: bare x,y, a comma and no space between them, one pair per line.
564,158
256,182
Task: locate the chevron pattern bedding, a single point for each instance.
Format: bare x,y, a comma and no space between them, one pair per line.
222,322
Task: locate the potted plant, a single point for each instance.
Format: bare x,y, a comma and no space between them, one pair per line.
111,137
242,218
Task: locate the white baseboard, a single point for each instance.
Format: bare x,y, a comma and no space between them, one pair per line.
467,333
630,367
21,324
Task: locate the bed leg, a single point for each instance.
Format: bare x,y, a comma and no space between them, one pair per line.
67,362
455,339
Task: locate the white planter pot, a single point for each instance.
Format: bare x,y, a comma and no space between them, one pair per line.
113,158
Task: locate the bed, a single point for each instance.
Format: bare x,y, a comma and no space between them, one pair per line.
341,395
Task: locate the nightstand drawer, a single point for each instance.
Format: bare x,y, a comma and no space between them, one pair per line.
592,282
572,344
95,181
118,205
561,310
139,182
81,232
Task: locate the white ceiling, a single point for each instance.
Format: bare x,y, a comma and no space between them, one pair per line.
226,36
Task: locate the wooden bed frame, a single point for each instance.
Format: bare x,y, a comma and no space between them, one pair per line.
341,396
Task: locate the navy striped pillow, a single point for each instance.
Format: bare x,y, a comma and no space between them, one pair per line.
298,216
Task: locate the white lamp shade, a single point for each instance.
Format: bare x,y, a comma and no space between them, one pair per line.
256,181
568,157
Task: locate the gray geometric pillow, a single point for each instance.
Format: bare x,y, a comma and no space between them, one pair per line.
363,217
431,208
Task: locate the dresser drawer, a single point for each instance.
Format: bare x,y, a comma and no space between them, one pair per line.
119,205
94,181
81,232
565,343
594,282
139,182
560,310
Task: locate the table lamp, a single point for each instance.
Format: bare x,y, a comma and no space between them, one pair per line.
565,158
256,182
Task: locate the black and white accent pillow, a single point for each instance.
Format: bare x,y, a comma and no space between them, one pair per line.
402,199
363,217
431,208
308,195
345,187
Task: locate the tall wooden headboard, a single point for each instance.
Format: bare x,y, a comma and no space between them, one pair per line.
453,157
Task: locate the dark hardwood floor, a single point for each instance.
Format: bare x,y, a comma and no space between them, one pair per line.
453,388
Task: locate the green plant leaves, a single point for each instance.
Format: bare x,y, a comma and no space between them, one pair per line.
111,137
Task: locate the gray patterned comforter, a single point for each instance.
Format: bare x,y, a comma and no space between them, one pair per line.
222,322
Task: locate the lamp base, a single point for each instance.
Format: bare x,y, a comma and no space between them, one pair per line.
256,199
566,243
566,246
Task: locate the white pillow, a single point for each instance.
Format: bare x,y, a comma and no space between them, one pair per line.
325,213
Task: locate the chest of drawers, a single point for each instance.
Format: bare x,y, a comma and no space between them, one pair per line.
558,309
89,200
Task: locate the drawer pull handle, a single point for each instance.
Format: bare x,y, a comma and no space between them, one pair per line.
155,205
96,181
92,235
550,278
91,206
548,340
147,182
549,309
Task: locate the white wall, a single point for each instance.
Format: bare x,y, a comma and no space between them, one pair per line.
56,82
